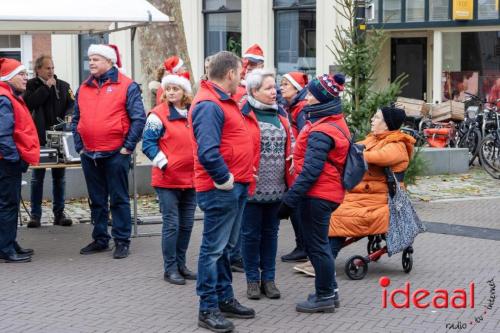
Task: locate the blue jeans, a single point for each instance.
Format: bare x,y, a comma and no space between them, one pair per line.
108,177
336,245
235,254
177,209
315,216
259,231
221,228
58,186
10,196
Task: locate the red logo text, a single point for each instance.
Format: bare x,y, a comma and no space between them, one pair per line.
422,298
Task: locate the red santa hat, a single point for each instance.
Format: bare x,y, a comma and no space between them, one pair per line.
254,54
9,68
173,64
181,80
108,51
298,79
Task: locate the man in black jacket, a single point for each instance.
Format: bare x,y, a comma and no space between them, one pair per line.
49,99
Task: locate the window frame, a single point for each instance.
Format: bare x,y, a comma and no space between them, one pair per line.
207,12
294,7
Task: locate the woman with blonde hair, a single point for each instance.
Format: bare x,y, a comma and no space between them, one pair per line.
167,143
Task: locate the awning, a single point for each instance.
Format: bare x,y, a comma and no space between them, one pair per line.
75,16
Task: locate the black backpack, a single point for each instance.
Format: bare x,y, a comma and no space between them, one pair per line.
355,164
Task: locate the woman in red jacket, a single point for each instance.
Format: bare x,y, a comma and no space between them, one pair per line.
167,143
293,91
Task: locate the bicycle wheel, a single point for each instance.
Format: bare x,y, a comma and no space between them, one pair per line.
471,140
489,155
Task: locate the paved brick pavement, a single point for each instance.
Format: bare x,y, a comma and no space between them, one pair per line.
62,291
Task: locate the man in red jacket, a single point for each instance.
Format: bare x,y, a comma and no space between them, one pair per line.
107,123
19,147
223,169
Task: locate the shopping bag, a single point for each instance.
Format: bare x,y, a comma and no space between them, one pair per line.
404,223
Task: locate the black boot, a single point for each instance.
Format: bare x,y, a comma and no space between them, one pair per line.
214,321
233,309
174,277
94,247
20,250
15,258
62,220
315,304
187,273
297,255
269,289
34,222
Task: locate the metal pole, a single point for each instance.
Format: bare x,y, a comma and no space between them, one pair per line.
134,155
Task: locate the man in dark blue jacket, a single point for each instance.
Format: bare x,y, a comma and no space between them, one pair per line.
107,124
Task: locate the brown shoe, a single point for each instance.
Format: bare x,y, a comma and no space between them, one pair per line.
269,289
34,222
253,290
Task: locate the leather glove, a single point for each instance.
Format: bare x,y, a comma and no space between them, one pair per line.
284,211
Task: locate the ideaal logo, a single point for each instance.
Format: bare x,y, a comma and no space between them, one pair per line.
439,299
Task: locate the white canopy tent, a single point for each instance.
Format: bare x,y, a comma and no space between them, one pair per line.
96,17
76,16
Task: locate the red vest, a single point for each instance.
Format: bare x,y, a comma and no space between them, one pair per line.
177,145
329,184
294,113
236,147
25,134
253,126
104,121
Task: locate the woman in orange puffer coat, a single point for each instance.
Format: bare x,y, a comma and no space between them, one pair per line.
365,210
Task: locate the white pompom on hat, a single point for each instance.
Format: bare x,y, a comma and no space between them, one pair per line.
178,80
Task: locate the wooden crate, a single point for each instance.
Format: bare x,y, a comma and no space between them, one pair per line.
413,107
449,110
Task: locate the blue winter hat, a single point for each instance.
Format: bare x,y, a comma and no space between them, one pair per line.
326,88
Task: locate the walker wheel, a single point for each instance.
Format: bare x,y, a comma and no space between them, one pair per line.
356,267
407,260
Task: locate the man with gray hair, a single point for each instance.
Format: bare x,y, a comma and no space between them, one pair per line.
223,157
49,99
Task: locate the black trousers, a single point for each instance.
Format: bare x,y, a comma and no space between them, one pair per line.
10,196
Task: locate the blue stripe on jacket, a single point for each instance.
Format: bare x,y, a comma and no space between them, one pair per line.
8,148
135,111
208,121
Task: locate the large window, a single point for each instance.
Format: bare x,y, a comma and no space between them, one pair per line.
295,29
84,42
222,26
471,63
10,46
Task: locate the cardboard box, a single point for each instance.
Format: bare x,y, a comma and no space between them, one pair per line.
449,110
413,107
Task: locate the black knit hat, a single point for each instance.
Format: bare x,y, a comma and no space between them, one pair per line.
393,117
